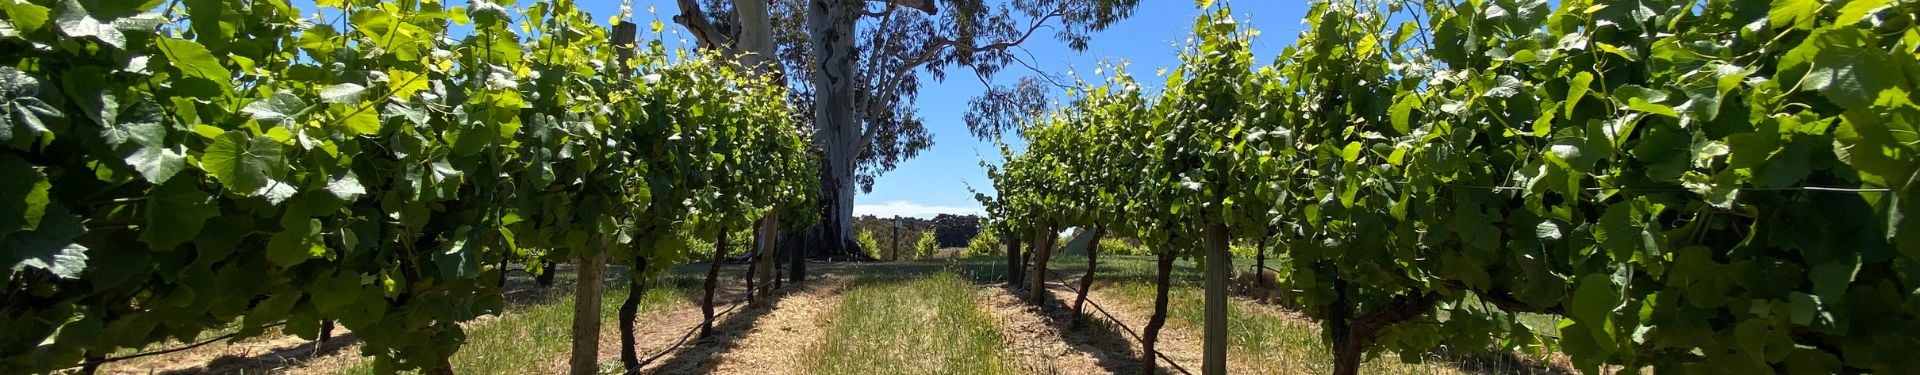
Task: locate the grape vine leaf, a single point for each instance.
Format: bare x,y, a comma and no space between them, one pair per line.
25,15
1857,10
243,162
1798,14
23,199
1592,306
87,86
297,241
345,93
195,61
1845,66
361,120
149,154
176,213
21,110
282,106
50,247
76,22
333,293
1578,90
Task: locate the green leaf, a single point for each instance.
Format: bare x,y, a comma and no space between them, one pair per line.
1351,152
193,60
50,247
297,241
244,163
149,154
176,213
345,93
1845,66
23,199
318,40
1592,306
1465,270
1581,83
1858,10
1642,105
282,106
28,117
332,293
1798,14
1403,109
1830,280
361,121
1804,306
76,22
25,15
346,186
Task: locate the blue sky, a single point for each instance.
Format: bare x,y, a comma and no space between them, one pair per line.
936,181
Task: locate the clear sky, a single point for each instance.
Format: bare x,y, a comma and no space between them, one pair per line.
936,181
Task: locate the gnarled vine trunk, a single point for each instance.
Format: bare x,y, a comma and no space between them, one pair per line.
629,311
1014,276
1162,280
1086,282
1042,253
713,281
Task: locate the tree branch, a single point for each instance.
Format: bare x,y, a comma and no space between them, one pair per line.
1506,301
1399,309
695,20
892,83
923,5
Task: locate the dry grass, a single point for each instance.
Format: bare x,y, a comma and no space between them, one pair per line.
1267,339
909,325
526,339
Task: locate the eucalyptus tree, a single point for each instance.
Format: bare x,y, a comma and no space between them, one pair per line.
855,68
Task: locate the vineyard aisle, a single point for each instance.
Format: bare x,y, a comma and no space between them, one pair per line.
758,341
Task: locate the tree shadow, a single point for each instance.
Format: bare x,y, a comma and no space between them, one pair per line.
1095,335
1495,362
276,359
700,356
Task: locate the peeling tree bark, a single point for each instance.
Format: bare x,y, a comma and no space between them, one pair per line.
830,26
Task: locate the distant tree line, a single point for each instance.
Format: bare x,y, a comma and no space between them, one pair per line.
949,230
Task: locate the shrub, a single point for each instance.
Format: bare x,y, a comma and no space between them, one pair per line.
1119,246
986,243
869,244
926,246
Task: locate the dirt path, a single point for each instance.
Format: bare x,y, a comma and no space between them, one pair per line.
271,352
1178,343
1042,341
762,340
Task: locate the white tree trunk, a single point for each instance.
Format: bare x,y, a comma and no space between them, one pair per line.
756,36
830,26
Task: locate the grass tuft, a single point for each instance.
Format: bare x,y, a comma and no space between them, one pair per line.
910,325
